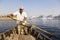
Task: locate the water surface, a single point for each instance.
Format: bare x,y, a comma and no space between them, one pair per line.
50,25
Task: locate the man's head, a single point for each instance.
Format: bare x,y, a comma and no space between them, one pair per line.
21,10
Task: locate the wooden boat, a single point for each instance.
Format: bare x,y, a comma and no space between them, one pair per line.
32,33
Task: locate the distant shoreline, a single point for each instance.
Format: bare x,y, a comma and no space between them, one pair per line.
5,18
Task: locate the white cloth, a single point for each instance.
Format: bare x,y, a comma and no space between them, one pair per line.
20,16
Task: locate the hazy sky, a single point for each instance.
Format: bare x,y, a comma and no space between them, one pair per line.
32,7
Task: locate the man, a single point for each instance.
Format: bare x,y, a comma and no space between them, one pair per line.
21,16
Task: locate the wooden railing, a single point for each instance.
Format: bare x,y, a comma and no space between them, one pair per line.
39,33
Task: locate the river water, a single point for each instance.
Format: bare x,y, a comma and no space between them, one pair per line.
6,25
52,26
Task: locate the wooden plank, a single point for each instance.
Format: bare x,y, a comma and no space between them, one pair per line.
20,37
26,37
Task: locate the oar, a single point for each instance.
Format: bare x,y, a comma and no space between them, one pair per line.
18,21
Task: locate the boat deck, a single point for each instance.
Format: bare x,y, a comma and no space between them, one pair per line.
20,37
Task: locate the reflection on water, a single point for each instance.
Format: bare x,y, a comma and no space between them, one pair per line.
52,26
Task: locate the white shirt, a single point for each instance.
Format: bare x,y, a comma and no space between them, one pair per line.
20,16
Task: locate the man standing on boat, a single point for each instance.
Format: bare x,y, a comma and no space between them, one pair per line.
21,17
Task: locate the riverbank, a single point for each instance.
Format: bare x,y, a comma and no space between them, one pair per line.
6,18
2,18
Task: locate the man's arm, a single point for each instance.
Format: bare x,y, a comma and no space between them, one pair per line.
10,15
